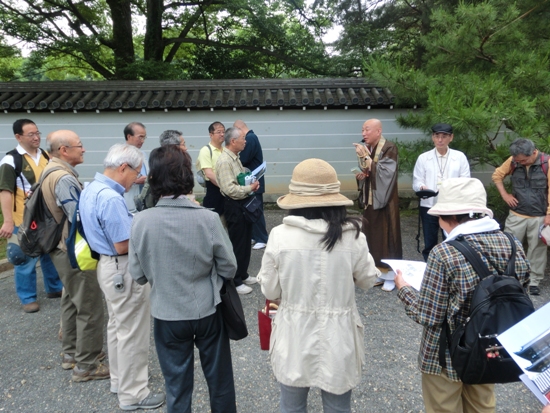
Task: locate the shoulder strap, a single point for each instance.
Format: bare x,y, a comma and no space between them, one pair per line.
511,268
210,149
544,158
472,256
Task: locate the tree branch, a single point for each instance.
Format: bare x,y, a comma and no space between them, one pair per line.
276,54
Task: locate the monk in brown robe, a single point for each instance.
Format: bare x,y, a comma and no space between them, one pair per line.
378,162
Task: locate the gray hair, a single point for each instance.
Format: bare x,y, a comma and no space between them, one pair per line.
170,137
54,143
522,146
232,133
121,153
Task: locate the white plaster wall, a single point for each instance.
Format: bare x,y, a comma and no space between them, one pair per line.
287,136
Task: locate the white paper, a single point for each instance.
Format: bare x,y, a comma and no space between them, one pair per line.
413,271
533,332
259,171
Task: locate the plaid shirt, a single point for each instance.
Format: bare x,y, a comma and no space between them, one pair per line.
447,289
228,167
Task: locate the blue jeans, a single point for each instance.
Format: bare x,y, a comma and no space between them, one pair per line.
25,278
259,231
294,400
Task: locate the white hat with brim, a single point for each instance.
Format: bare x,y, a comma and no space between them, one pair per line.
314,184
458,196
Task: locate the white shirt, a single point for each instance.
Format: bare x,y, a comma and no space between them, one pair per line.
431,169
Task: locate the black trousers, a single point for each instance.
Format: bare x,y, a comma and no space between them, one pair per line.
430,228
240,234
174,342
213,198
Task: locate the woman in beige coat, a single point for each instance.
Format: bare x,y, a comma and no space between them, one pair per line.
312,263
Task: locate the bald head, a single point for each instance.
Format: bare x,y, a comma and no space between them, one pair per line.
66,145
372,132
241,125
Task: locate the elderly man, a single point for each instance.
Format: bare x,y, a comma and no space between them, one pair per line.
172,137
378,162
107,221
82,303
228,168
251,157
206,161
135,135
528,201
431,169
169,137
19,170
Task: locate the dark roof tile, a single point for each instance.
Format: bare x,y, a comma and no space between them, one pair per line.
196,94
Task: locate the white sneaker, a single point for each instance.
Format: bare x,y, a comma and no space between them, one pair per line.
244,289
250,281
388,286
258,246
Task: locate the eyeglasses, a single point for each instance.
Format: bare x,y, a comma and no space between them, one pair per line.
31,135
218,132
137,171
74,146
141,137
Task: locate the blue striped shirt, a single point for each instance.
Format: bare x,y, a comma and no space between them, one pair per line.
104,214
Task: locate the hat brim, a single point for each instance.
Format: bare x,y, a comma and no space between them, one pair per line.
445,209
292,201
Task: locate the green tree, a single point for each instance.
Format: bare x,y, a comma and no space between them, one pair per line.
156,39
482,66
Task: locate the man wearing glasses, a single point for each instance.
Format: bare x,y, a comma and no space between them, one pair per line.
135,135
82,302
430,170
19,170
208,156
107,222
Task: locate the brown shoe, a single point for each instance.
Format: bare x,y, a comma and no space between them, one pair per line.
68,361
31,307
100,372
54,295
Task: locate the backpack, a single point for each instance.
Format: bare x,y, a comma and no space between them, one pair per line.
201,177
499,301
145,198
80,254
18,166
39,233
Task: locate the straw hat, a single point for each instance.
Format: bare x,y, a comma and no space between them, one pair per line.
314,183
459,196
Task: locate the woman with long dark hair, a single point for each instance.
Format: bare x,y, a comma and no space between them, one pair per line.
182,251
312,263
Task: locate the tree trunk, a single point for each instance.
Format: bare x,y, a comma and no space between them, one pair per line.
153,45
123,46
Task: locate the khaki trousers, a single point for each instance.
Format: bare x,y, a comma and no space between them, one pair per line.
81,311
441,395
528,228
128,330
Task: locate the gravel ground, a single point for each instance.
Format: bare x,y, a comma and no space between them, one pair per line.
31,378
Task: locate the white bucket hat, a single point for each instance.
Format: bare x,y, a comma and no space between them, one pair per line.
314,183
459,196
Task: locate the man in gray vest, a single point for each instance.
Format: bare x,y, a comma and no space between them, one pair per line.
528,202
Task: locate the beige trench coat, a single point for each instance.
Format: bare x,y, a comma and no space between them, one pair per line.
317,337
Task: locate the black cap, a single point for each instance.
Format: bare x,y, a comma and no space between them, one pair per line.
442,128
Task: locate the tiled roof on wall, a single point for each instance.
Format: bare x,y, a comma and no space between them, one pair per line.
192,95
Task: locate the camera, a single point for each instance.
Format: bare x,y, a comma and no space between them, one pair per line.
118,282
